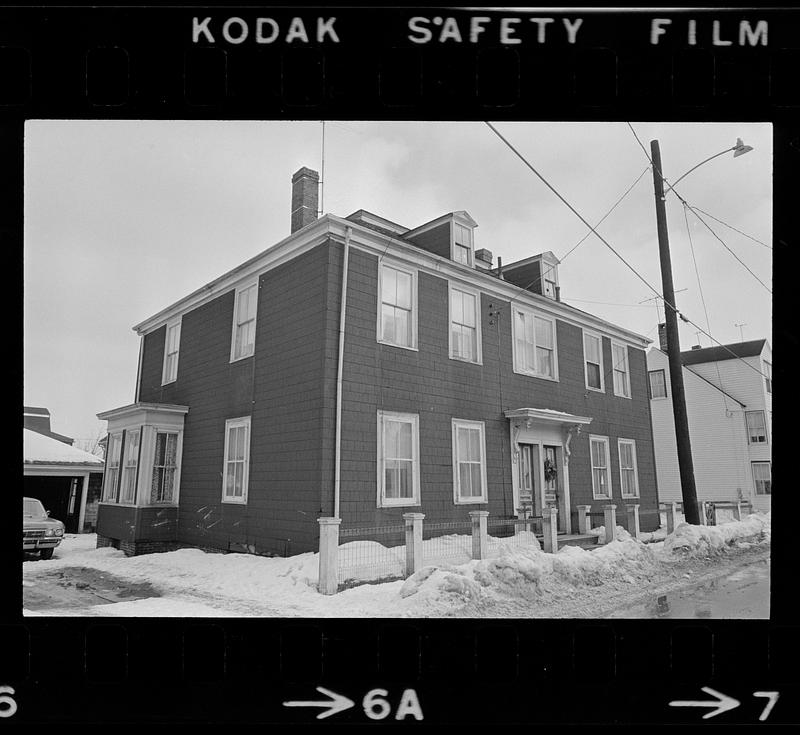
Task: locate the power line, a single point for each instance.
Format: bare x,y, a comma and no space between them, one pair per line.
731,227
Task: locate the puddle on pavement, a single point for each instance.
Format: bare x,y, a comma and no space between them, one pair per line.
78,587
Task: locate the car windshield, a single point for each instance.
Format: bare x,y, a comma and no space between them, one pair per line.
32,508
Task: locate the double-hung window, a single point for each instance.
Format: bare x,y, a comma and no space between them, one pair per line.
768,376
601,467
658,383
622,380
762,478
756,427
534,345
131,466
237,460
462,244
244,322
112,467
398,459
593,359
469,462
397,317
165,465
465,327
628,474
172,343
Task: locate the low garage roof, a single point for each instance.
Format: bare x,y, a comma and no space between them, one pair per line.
39,449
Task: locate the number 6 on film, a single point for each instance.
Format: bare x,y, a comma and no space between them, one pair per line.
8,705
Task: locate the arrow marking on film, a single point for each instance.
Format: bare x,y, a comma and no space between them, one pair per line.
723,703
337,703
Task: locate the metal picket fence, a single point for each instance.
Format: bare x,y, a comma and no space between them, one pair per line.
371,554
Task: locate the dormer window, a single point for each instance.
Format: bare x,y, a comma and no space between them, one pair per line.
462,244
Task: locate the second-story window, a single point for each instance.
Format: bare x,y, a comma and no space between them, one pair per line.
534,345
172,343
658,383
622,383
756,427
465,333
768,376
244,322
462,244
397,307
593,357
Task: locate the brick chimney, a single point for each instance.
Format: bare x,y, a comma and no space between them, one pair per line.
483,259
662,336
305,198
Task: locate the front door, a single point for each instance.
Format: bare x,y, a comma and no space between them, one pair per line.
529,478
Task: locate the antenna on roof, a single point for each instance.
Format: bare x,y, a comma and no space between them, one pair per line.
322,178
741,332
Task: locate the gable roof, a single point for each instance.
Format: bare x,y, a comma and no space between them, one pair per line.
752,348
40,449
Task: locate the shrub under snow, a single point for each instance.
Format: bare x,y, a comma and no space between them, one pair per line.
690,540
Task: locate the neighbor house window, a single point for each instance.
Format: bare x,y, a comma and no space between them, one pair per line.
469,462
112,467
601,467
593,358
237,460
534,344
172,342
398,298
465,334
628,474
756,427
658,383
129,471
619,360
762,478
398,459
768,376
244,322
165,465
462,244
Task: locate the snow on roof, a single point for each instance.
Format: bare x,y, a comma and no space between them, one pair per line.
41,449
724,352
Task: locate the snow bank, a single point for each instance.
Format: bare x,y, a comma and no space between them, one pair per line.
600,532
688,540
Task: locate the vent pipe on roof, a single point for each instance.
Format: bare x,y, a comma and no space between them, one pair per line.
305,198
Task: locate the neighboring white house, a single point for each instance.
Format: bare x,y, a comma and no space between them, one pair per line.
729,407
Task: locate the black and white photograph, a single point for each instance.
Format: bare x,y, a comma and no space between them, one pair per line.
380,369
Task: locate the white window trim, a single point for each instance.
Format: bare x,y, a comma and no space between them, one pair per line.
147,489
606,443
484,497
755,482
229,424
414,274
456,221
105,497
624,347
123,465
165,379
478,313
237,291
650,385
632,442
382,501
766,428
767,371
599,337
516,359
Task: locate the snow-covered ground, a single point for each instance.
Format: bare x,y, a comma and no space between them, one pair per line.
516,581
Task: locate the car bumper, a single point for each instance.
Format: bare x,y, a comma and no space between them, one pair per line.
40,543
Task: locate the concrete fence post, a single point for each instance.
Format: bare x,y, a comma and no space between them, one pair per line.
703,512
328,555
610,520
413,541
737,511
584,523
550,529
633,520
479,535
672,517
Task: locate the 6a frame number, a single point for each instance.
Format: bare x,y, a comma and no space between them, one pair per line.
377,707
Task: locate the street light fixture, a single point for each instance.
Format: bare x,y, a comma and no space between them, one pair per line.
685,463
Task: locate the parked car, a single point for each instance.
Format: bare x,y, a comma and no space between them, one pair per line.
39,532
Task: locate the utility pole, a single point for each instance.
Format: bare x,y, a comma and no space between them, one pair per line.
685,464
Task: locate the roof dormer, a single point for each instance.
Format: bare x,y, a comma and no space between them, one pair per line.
450,236
538,274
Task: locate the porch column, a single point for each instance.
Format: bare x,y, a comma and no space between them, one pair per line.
610,520
583,518
84,492
633,520
479,535
672,517
413,541
737,510
328,555
550,529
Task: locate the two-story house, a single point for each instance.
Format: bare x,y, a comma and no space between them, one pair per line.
361,369
729,406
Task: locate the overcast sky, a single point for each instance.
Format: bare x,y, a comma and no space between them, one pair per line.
124,218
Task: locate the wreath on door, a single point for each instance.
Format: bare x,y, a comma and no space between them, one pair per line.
550,471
